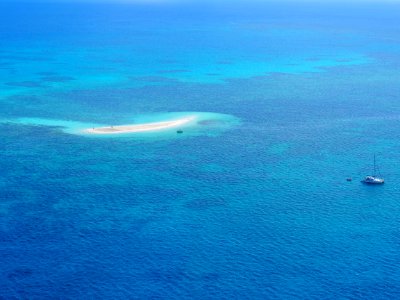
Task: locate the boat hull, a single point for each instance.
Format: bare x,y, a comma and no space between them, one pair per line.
377,182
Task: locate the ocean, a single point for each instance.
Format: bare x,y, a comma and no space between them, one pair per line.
254,205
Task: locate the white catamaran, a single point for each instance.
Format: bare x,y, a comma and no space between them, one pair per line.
373,179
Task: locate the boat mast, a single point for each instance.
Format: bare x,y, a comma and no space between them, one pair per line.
374,166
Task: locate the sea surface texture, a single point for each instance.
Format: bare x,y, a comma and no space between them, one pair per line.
257,206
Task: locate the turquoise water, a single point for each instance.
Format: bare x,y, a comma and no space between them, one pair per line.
252,205
197,124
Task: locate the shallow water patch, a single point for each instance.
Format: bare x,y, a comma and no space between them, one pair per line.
153,126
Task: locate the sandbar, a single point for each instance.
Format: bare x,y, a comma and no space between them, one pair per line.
139,127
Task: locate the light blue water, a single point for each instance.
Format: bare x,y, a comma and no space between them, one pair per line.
192,123
253,205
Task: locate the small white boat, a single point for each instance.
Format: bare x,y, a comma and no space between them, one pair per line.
373,179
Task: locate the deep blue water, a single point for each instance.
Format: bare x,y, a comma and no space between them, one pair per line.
261,210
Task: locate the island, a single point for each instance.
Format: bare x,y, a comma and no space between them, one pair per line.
140,127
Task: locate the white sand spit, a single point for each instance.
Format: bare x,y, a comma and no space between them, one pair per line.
140,127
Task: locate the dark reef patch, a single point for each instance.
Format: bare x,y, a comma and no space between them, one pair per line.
210,122
167,61
205,203
224,62
28,84
46,73
154,79
20,273
55,78
313,59
173,71
343,60
24,58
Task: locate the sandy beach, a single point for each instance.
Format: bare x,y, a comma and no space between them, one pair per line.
139,127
